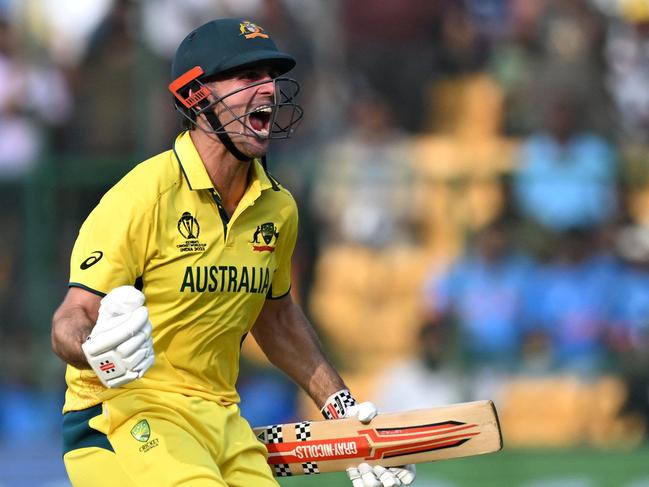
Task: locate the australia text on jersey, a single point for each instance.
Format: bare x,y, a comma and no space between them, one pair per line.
226,278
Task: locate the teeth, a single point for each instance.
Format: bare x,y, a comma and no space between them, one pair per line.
266,110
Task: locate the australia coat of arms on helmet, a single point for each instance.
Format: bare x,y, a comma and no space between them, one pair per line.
250,30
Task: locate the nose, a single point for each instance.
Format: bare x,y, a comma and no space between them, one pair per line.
266,86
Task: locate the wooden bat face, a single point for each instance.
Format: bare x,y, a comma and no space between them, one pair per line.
389,440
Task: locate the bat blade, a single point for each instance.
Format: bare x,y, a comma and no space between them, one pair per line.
425,435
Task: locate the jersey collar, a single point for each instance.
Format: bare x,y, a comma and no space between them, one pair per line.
196,175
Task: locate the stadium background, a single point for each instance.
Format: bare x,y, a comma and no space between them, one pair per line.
472,179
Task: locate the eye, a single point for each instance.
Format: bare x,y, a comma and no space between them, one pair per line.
252,75
259,73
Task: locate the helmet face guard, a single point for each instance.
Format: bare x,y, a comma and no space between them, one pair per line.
283,113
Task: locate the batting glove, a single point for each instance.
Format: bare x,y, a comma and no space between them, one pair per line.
343,405
377,476
120,349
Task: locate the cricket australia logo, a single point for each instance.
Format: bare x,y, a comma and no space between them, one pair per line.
268,232
142,433
189,228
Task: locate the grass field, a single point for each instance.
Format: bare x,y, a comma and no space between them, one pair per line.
39,467
552,468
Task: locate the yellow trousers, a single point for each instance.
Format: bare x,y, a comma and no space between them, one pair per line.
150,438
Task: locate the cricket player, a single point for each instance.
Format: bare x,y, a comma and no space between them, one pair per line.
178,262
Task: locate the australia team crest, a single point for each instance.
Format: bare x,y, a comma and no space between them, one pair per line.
269,235
250,30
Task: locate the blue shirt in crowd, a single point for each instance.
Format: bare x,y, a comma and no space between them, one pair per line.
572,304
566,186
631,307
487,300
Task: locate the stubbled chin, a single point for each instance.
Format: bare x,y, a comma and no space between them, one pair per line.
254,147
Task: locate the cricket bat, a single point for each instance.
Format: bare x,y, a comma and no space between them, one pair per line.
392,439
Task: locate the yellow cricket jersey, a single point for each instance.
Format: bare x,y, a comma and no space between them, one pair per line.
205,277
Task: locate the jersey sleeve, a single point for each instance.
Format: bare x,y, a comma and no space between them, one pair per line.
281,283
111,247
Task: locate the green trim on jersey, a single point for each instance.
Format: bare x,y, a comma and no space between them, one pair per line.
270,294
77,432
225,218
182,168
93,291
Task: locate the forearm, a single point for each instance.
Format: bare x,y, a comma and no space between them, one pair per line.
290,343
70,328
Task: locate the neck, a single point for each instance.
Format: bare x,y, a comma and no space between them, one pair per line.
228,174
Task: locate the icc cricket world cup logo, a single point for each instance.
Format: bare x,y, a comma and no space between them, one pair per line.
188,226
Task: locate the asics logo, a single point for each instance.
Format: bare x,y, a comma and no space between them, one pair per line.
92,260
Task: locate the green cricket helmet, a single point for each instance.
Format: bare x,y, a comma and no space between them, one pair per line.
225,46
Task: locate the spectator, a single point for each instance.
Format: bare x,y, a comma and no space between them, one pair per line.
460,46
484,294
631,312
389,45
362,193
570,303
103,122
424,380
30,96
630,331
566,177
514,61
571,36
627,56
551,45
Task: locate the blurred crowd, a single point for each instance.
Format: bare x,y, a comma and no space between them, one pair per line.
472,177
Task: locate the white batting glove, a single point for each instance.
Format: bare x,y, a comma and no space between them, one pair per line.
377,476
343,405
364,412
120,349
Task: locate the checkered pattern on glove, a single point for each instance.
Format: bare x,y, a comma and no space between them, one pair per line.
337,404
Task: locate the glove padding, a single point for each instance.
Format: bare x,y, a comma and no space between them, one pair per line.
364,412
377,476
367,476
120,349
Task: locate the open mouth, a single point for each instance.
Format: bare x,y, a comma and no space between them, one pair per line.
260,120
